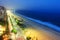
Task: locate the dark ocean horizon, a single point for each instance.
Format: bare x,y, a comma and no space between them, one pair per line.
51,17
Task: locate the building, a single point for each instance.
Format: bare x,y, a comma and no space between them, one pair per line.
2,13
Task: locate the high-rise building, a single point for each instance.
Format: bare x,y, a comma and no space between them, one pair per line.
2,12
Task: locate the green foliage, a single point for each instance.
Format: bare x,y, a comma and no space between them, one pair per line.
14,31
1,23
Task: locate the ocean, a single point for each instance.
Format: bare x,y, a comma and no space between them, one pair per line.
50,17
